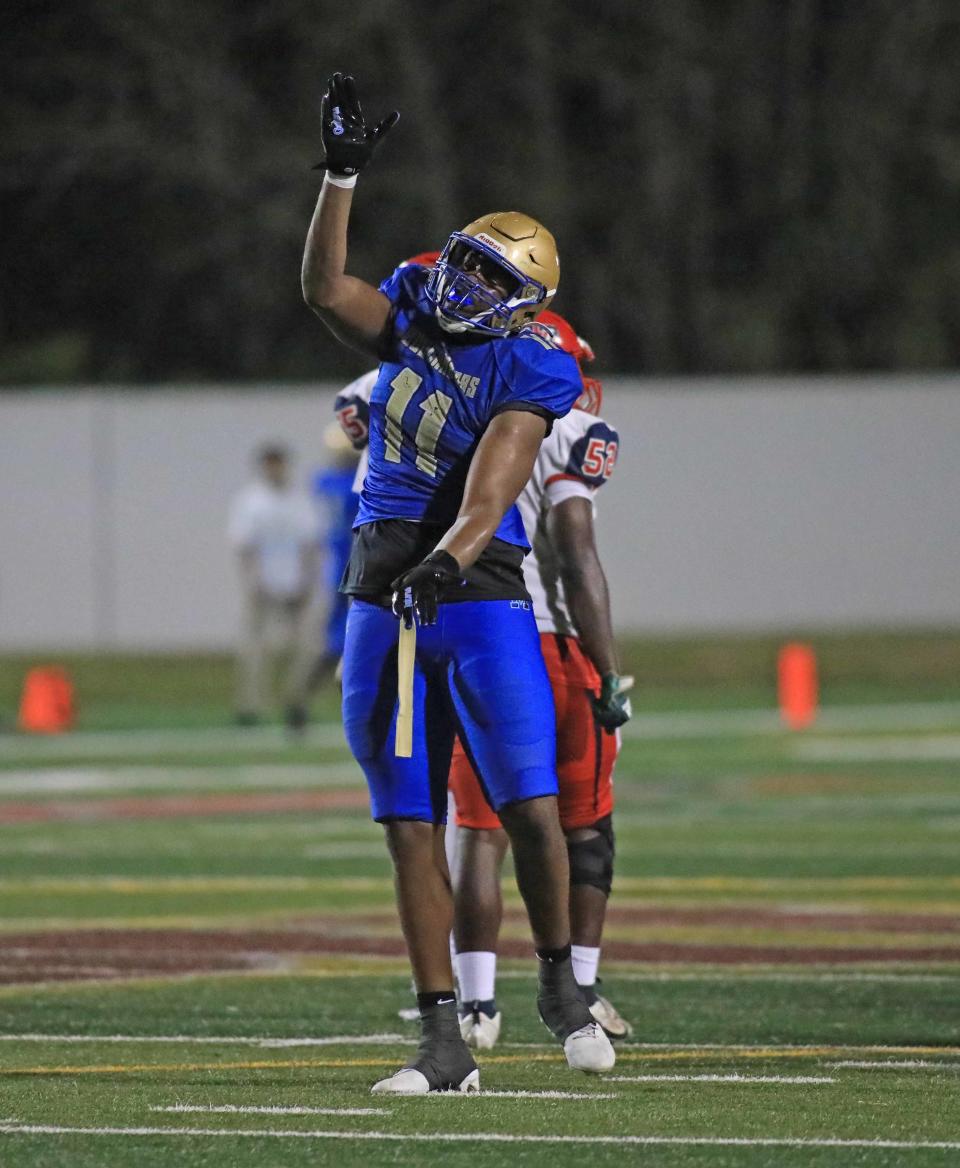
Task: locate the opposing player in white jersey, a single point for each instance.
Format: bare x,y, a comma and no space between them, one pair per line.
565,579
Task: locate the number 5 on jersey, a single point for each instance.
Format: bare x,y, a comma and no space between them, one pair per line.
435,408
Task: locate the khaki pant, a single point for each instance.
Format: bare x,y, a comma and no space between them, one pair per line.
295,628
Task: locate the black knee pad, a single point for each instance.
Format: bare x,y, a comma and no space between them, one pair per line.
591,860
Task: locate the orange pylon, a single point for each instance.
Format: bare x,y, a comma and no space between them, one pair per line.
797,685
47,705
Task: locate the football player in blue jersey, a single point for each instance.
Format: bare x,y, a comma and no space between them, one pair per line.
463,399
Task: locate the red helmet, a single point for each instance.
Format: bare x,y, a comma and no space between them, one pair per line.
426,259
563,334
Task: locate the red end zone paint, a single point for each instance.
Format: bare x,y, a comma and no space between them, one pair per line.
101,954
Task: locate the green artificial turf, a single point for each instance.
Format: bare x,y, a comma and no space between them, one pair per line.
729,833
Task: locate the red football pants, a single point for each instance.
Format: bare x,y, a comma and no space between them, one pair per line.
586,753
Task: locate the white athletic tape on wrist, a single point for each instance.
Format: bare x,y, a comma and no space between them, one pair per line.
345,181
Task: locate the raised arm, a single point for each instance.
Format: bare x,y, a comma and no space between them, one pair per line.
352,309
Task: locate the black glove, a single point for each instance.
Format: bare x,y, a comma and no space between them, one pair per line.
420,588
347,141
612,708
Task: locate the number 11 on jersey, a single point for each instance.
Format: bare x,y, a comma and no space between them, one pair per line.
435,408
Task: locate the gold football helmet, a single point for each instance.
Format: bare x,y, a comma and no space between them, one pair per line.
495,275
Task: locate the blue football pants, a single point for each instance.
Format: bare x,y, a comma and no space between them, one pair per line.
479,673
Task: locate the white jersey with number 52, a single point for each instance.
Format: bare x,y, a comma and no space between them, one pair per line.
576,459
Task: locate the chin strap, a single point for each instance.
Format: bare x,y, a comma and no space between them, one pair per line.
450,326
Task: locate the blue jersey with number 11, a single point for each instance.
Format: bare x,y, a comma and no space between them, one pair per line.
435,396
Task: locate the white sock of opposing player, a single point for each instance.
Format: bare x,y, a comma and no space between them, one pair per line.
477,975
585,961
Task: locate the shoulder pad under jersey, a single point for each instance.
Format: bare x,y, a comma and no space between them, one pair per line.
542,374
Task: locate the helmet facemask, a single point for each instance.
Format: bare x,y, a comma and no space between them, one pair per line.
592,396
474,289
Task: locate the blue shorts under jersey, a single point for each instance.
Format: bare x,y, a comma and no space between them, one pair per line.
479,672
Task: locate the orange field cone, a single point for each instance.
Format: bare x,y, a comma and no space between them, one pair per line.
47,705
797,685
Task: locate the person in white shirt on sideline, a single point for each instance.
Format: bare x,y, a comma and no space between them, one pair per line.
273,528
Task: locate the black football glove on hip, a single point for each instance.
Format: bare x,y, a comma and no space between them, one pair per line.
420,588
348,141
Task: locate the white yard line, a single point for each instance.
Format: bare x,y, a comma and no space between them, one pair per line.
721,1078
209,1040
234,1109
231,1109
11,1127
482,1094
80,780
873,1048
940,747
731,723
788,1049
123,743
898,1065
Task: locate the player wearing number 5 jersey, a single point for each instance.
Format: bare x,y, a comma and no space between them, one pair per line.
463,399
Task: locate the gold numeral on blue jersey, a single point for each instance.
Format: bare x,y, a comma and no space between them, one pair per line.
435,409
404,386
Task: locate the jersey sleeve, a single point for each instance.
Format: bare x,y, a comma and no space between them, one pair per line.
352,409
587,459
540,378
405,291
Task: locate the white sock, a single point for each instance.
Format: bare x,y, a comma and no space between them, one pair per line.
585,961
477,975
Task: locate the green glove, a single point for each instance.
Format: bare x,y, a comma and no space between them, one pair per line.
612,708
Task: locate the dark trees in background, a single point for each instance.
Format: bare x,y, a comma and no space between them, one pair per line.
736,185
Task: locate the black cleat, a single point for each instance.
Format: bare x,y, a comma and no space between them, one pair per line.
443,1062
566,1015
439,1066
